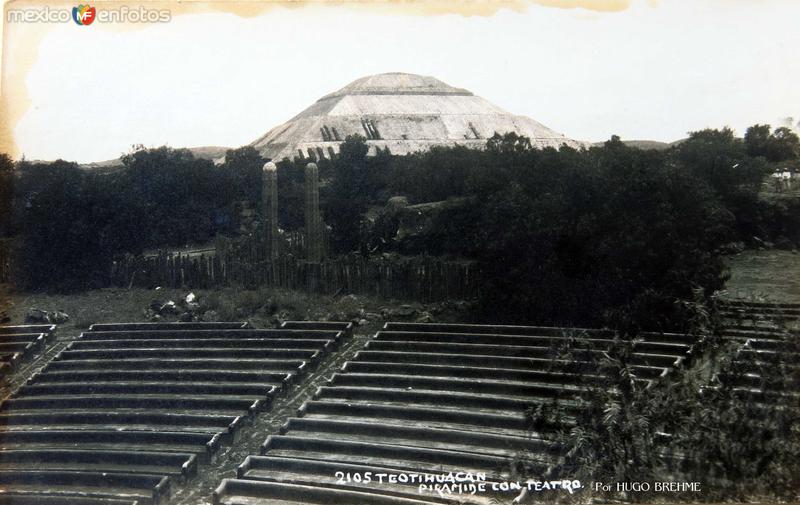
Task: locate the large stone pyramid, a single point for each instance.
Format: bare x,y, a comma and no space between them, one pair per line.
400,112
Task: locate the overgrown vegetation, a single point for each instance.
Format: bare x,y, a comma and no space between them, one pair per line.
610,235
729,421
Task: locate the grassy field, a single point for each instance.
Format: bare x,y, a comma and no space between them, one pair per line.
769,275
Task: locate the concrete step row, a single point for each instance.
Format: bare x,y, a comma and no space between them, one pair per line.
198,325
665,358
773,312
345,328
744,332
126,409
22,343
429,399
760,313
778,356
215,335
498,339
32,497
749,304
528,331
768,333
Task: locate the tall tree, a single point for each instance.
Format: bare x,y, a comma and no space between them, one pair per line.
778,146
349,193
6,194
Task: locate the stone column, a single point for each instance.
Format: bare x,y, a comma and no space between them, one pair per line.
313,218
269,201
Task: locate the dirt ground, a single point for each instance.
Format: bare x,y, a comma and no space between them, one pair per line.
84,309
261,308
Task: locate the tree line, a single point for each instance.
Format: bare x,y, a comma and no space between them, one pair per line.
605,235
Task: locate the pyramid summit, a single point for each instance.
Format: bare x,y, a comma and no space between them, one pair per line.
397,83
401,113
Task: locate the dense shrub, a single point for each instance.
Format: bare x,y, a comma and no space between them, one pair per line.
65,222
701,425
72,222
609,235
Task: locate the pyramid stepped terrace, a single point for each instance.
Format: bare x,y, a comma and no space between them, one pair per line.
400,114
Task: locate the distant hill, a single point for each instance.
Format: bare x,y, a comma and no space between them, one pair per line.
217,153
646,144
213,153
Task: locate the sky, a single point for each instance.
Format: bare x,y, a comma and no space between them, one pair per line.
654,70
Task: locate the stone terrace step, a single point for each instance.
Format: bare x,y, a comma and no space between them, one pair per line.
180,403
491,329
467,372
201,442
416,383
378,411
531,331
237,492
92,417
163,463
747,311
48,329
444,399
34,498
394,455
255,389
433,398
233,325
212,334
639,358
355,477
21,343
308,472
741,332
743,303
205,352
27,348
147,489
145,403
521,340
397,431
38,338
191,343
345,327
145,364
149,375
486,361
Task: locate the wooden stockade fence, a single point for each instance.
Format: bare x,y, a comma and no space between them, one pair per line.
423,278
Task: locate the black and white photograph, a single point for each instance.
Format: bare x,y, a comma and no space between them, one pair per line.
411,252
